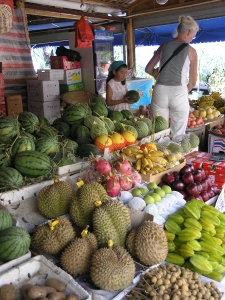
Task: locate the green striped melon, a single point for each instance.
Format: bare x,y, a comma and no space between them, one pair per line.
56,121
47,145
63,128
130,128
142,129
118,126
21,144
14,243
115,115
100,110
28,121
32,163
109,125
68,145
148,122
89,120
8,129
5,160
64,159
29,135
126,113
86,150
73,113
82,141
97,130
127,122
82,131
10,178
5,220
46,131
97,101
43,121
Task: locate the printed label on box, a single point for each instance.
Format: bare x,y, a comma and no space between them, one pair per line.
215,168
72,76
38,90
61,62
71,87
49,109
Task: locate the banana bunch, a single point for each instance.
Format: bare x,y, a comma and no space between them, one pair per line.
218,100
206,101
150,162
221,110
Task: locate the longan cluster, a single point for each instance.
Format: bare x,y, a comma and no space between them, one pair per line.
170,282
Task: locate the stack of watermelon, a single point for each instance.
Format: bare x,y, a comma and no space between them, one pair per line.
14,241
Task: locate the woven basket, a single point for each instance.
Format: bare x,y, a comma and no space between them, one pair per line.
6,18
78,97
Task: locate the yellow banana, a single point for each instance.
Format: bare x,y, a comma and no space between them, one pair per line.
143,171
144,162
145,151
157,154
138,164
139,156
150,163
159,160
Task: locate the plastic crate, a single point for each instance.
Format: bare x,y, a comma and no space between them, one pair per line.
5,266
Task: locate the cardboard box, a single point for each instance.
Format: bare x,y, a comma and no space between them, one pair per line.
14,105
215,170
216,143
2,83
64,88
39,90
50,109
61,62
197,158
2,97
49,74
72,76
157,178
2,110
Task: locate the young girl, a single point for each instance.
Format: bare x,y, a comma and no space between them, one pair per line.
116,88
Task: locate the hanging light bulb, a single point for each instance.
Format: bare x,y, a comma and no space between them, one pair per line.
161,2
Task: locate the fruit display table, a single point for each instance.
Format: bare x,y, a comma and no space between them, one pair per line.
218,121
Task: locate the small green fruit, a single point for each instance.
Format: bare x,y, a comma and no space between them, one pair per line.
160,192
136,192
151,186
167,189
144,191
156,197
149,199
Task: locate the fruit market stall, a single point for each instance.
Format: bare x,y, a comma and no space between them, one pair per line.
75,188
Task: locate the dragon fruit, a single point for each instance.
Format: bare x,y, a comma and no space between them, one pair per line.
135,177
125,183
112,186
123,166
102,166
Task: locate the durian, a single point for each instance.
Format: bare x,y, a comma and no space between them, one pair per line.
150,243
75,259
84,203
112,269
111,219
54,200
52,237
130,242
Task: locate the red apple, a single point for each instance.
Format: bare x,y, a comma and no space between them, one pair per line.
183,193
199,197
197,175
218,127
189,198
209,181
218,131
176,175
187,178
210,192
200,188
161,184
185,169
215,189
202,171
204,195
168,178
199,120
192,189
178,185
204,184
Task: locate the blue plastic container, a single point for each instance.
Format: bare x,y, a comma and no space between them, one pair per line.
144,88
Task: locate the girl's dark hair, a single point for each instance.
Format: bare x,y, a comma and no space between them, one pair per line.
111,75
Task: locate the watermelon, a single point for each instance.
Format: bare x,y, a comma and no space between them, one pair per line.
32,163
14,243
73,113
21,144
5,220
63,128
5,160
68,145
89,120
28,121
82,131
63,159
133,95
100,110
8,129
115,115
47,145
86,150
43,121
46,131
82,141
56,121
10,178
126,113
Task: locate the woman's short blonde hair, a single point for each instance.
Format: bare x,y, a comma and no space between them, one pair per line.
186,23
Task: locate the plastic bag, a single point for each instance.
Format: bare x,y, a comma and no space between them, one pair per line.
83,34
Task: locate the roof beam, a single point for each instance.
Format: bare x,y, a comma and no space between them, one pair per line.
50,11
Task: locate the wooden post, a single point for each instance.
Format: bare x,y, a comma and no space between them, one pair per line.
130,43
20,4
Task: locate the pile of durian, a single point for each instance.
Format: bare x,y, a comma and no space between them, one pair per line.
97,239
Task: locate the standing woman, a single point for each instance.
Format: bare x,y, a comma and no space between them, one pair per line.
116,87
170,94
